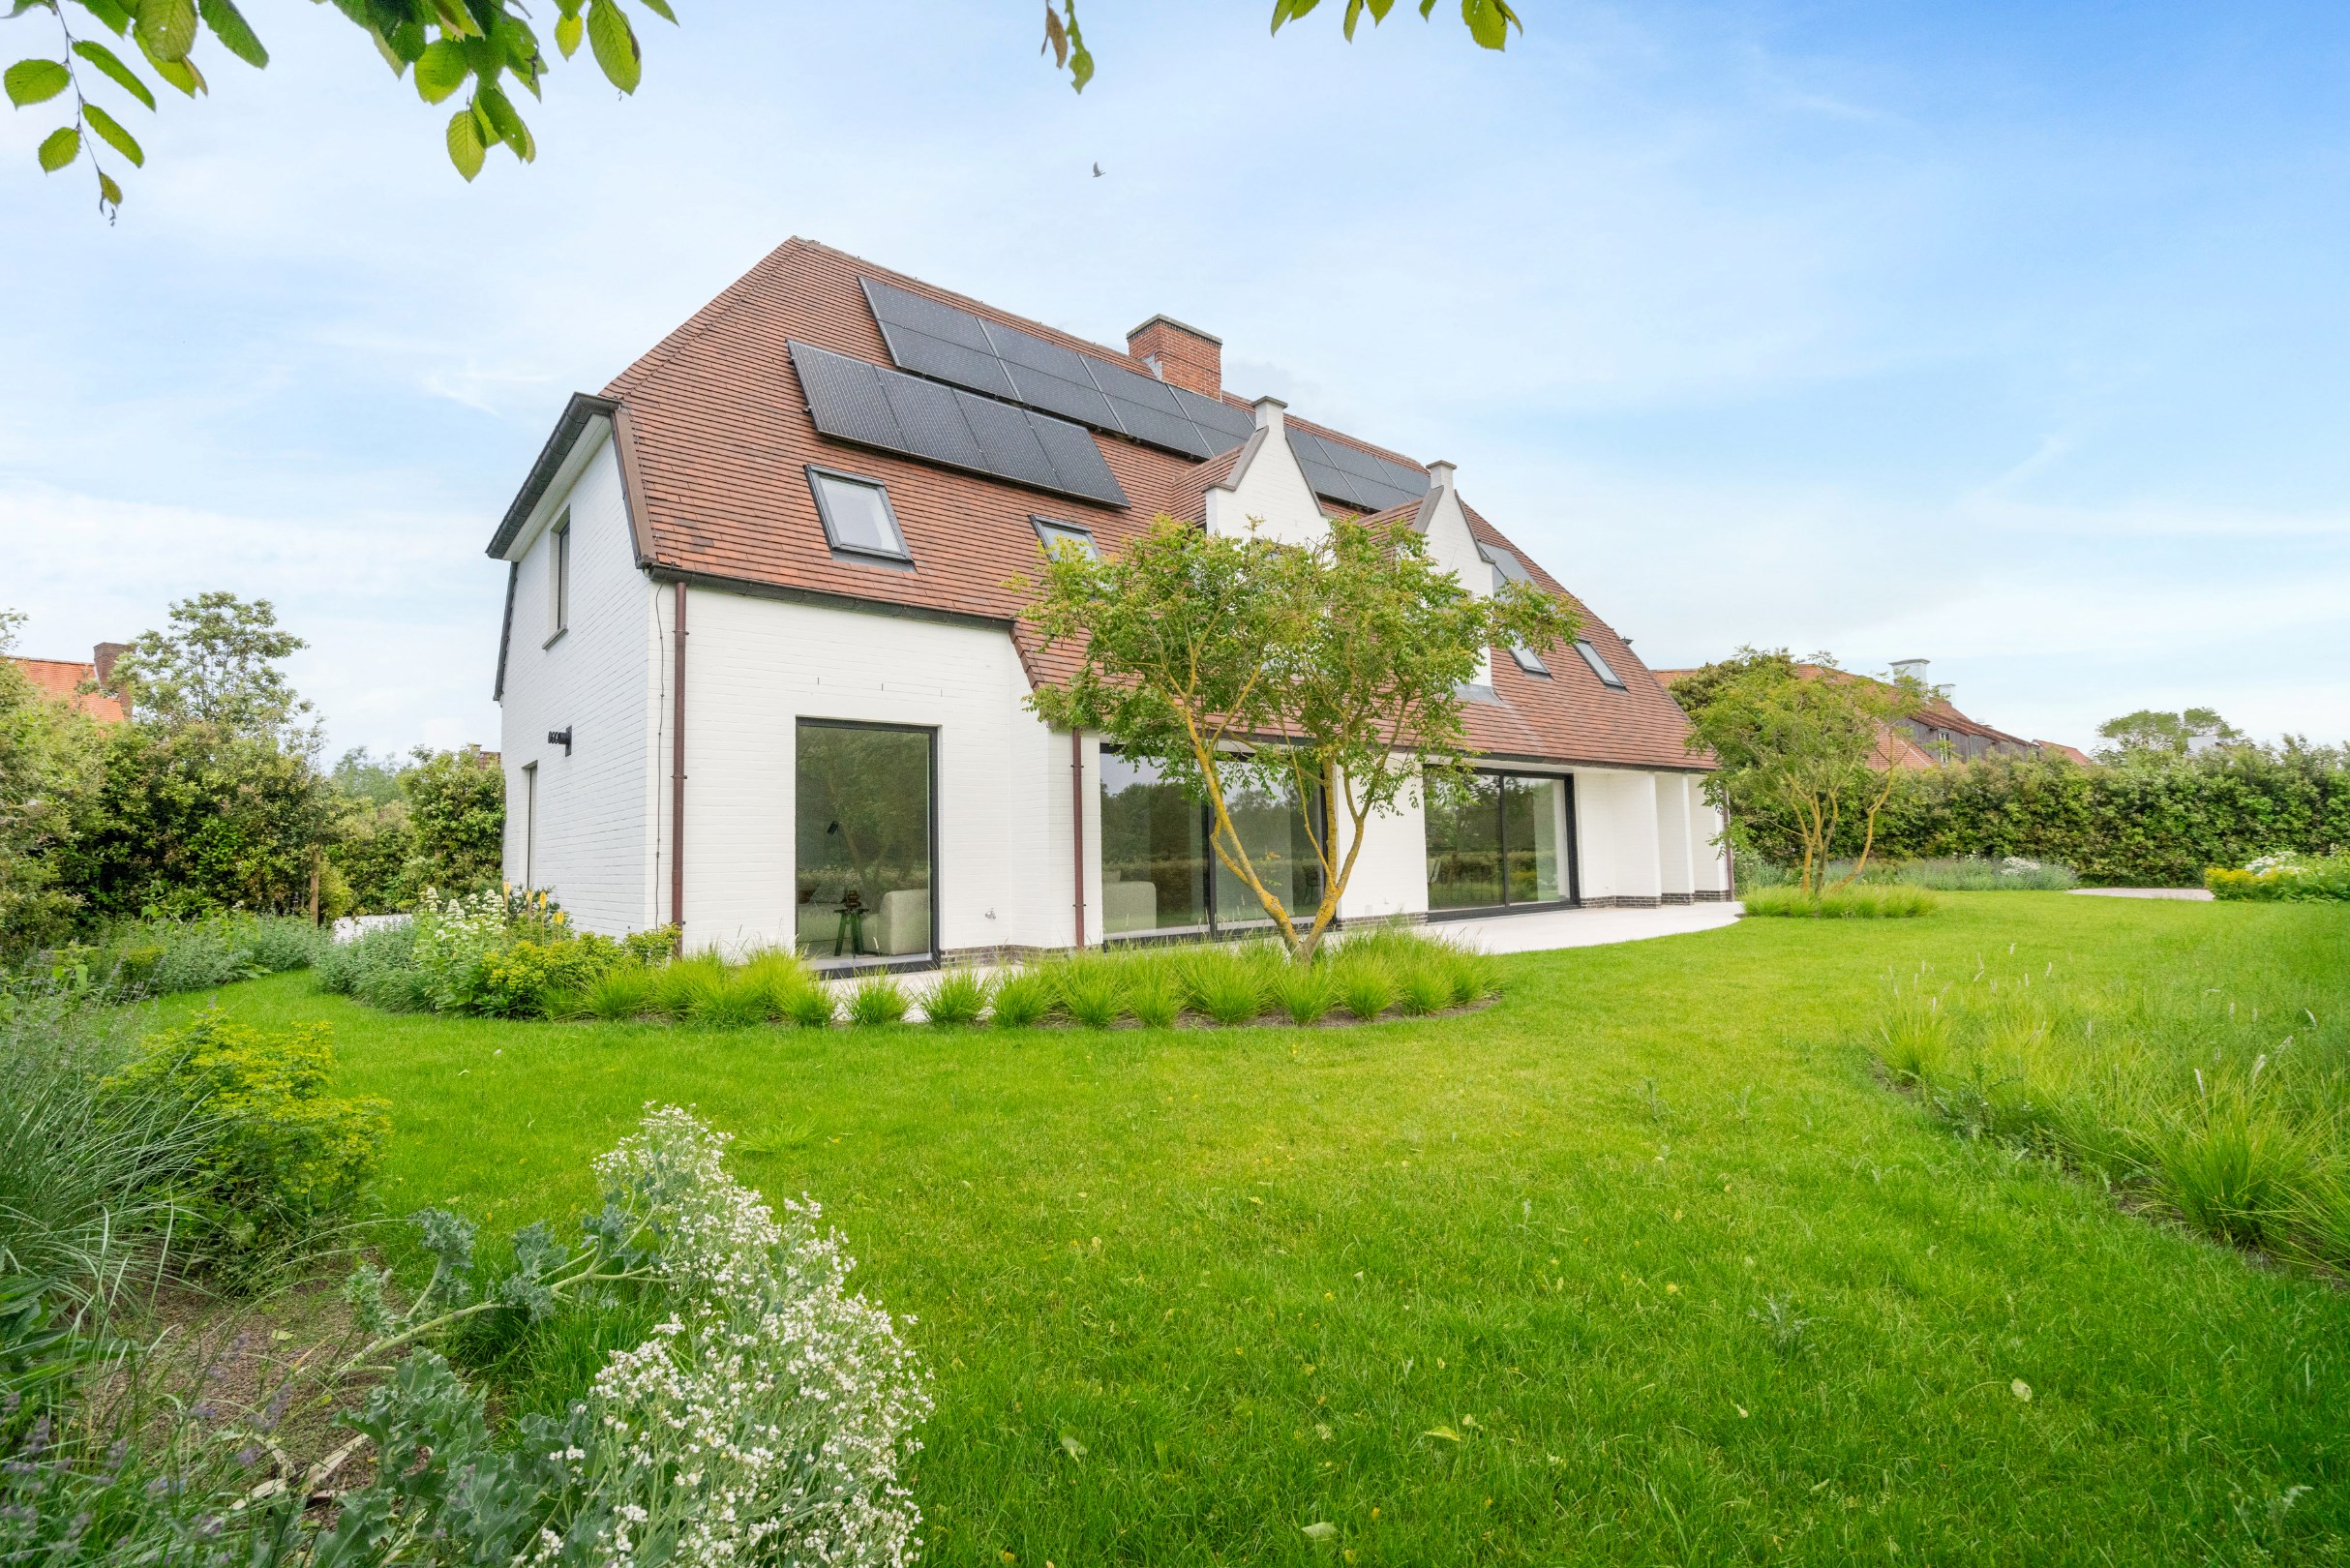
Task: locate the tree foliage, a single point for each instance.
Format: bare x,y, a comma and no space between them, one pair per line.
50,770
2151,736
1236,662
484,48
1803,748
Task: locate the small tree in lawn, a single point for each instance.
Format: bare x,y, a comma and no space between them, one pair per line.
1233,662
1805,748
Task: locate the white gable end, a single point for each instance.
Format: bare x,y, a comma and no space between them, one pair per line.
1453,548
1268,489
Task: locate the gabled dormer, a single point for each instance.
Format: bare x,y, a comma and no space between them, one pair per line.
1267,487
1453,548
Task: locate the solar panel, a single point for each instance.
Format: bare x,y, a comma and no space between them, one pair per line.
1076,460
846,397
1411,481
926,355
1009,442
1072,400
1159,427
1224,426
895,412
932,421
1027,349
896,307
1362,465
1122,385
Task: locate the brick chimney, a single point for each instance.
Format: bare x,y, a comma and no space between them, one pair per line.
1186,356
103,657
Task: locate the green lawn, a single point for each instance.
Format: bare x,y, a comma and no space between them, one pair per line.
1499,1288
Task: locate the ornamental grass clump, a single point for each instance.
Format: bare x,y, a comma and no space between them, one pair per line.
1021,1001
737,999
1088,989
617,994
958,997
815,1007
878,1002
1302,995
1152,995
1224,984
677,988
1860,901
1365,984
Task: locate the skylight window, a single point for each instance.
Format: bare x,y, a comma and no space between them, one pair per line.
1051,534
856,515
1599,666
1530,661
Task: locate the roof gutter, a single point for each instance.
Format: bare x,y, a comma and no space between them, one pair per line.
577,414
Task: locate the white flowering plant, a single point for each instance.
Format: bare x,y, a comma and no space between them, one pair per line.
770,1417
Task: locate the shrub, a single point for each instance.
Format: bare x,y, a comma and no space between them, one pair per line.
619,993
812,1008
737,999
958,997
877,1001
1365,984
1089,989
1860,901
86,1177
280,1159
1226,986
679,986
2283,878
518,981
1150,992
1022,1001
656,946
343,966
1304,995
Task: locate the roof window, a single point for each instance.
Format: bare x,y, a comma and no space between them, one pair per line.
1050,533
1599,666
858,520
1529,661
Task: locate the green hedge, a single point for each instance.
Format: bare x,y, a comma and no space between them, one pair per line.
2133,825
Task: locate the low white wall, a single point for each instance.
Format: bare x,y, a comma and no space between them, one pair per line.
1675,873
1616,824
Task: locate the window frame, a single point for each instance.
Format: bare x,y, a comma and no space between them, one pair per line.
530,825
882,964
1048,527
1571,894
558,578
1213,926
1530,662
1600,667
816,474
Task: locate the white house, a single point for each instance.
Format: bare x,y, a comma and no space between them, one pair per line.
761,674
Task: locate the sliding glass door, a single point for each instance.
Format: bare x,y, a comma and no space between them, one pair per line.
865,816
1498,839
1158,872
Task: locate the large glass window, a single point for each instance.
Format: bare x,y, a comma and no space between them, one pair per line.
1154,851
1497,839
1158,872
863,832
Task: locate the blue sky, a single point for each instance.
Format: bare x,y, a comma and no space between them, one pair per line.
2012,337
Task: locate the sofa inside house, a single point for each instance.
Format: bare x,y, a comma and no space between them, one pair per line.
1129,906
897,925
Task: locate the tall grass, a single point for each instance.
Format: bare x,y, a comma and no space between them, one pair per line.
1861,901
85,1175
2217,1094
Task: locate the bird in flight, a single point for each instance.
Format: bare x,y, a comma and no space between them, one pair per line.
1096,172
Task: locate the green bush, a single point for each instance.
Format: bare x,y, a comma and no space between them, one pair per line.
1021,1001
1302,995
812,1008
678,988
519,980
1365,982
282,1159
1090,988
1222,984
878,1001
2283,878
1862,900
1152,995
958,997
617,994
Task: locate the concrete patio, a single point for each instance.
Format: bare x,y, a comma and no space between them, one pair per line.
1546,929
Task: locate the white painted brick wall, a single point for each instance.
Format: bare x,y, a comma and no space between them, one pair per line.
755,667
1677,874
594,805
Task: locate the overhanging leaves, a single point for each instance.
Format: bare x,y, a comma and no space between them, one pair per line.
60,148
465,149
167,28
35,81
103,58
237,36
116,137
614,42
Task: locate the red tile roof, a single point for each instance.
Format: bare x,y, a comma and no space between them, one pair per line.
719,431
60,681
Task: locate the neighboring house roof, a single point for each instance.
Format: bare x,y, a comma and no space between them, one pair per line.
1936,734
715,434
61,681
